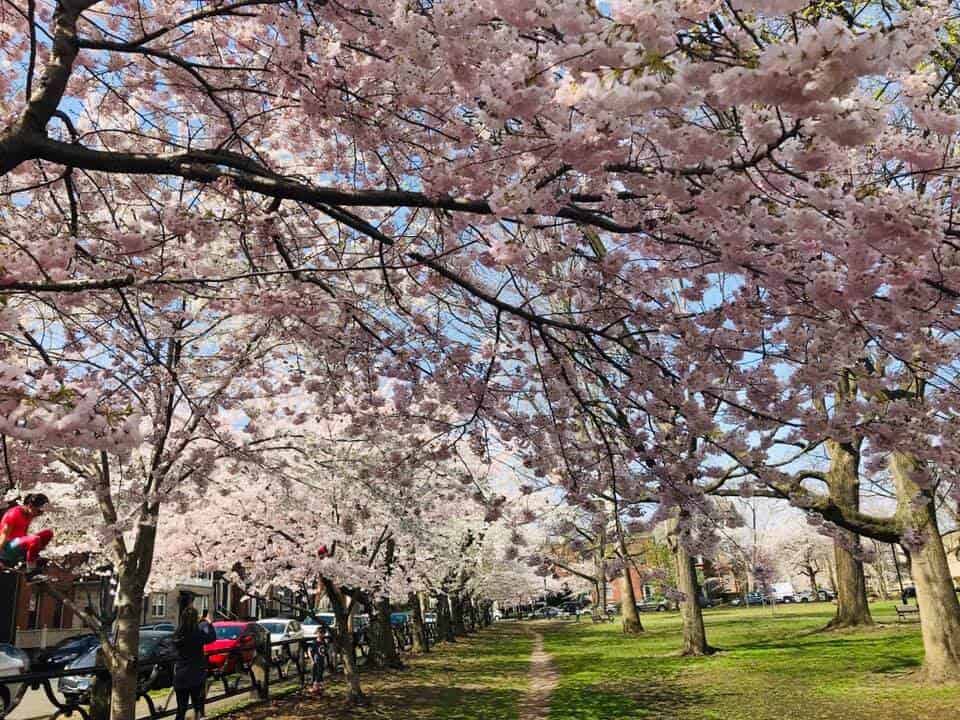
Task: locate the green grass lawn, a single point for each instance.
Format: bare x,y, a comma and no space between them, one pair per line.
482,677
771,666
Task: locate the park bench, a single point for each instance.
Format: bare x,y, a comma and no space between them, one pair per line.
907,612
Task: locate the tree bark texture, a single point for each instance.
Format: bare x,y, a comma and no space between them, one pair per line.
936,598
694,632
631,616
843,481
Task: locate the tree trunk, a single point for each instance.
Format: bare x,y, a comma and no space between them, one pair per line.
100,691
121,656
852,607
486,614
444,626
121,659
470,614
420,643
386,649
880,566
694,632
843,481
456,613
936,598
631,616
343,636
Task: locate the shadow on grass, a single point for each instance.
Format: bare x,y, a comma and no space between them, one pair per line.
414,702
482,676
660,696
448,702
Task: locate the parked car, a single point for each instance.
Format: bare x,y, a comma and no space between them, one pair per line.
161,626
783,592
824,595
708,602
282,629
545,613
156,655
753,598
310,623
653,605
236,640
64,652
13,662
804,596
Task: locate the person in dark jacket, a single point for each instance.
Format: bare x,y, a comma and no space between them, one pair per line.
190,668
318,654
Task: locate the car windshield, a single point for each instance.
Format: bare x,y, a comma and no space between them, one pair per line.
228,632
73,643
275,628
148,645
88,659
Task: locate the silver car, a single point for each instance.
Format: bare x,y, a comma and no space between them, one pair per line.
281,629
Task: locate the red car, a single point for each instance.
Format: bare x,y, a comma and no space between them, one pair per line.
236,640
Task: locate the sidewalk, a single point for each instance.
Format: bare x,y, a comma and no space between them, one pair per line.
36,706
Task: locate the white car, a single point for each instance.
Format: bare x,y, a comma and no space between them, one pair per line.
282,629
311,623
13,661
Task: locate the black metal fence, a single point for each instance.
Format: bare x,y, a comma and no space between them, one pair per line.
249,670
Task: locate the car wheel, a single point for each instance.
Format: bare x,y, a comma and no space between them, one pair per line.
661,608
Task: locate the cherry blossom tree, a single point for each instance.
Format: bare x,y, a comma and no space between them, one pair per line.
175,369
346,514
502,226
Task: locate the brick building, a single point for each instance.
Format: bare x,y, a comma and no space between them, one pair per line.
33,618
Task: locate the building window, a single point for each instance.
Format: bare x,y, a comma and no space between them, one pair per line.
158,605
202,603
222,591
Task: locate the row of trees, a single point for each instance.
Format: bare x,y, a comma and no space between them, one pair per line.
645,254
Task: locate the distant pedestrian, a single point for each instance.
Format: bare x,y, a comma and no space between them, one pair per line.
190,668
318,655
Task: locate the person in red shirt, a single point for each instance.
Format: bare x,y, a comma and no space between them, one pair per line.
16,545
